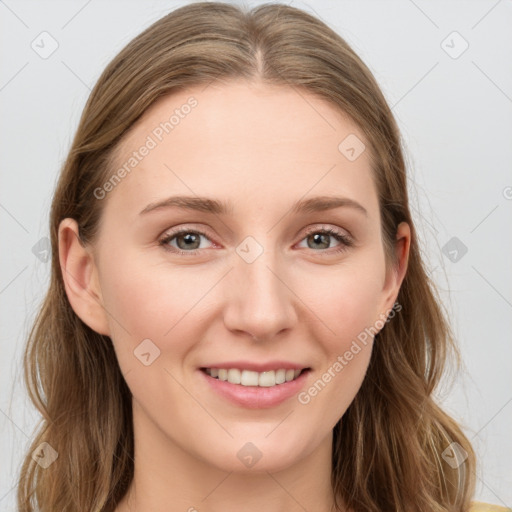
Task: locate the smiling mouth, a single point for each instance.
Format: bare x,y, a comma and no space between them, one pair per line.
266,379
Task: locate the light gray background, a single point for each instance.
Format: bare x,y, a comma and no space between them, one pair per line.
455,115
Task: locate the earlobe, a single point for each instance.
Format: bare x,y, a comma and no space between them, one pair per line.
80,278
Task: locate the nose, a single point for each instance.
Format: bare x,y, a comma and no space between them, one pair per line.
260,300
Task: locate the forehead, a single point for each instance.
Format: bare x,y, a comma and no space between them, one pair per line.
263,142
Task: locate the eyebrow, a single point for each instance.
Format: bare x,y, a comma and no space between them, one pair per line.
214,206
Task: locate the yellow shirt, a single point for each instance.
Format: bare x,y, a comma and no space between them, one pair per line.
478,506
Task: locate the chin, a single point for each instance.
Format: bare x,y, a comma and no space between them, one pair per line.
259,454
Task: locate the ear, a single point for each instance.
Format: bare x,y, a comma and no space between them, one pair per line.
395,273
80,277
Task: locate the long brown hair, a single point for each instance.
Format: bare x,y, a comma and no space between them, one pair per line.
388,447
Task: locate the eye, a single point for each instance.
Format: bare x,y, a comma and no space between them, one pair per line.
321,238
185,239
188,241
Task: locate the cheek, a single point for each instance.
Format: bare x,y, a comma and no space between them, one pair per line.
154,302
156,318
350,313
346,300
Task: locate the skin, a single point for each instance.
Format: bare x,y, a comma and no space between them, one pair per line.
262,148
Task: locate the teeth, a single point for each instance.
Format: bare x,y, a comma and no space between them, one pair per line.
267,379
234,376
250,378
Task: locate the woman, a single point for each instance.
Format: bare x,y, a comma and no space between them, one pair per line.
196,350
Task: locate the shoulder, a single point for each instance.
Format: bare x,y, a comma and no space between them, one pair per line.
478,506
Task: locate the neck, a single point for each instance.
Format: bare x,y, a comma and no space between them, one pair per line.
169,479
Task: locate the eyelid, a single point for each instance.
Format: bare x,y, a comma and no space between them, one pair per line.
328,228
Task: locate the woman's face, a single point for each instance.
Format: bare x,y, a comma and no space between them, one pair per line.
279,266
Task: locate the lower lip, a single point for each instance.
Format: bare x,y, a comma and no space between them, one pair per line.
256,397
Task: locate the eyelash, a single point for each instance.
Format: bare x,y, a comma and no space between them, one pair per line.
345,241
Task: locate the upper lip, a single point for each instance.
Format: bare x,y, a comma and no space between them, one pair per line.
258,367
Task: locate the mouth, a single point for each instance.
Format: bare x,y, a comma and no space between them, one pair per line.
253,389
244,377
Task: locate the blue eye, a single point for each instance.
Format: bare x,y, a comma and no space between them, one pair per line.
188,241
